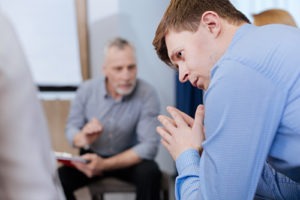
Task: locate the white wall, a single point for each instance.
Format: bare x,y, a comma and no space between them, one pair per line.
136,21
48,34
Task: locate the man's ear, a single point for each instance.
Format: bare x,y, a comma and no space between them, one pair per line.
212,22
103,70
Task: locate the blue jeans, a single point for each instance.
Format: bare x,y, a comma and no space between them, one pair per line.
274,185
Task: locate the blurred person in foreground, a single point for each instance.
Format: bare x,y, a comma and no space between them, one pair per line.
28,168
114,119
250,76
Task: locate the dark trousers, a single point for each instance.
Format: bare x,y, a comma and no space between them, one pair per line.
146,176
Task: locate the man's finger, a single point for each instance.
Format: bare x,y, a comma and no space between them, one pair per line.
189,120
199,118
169,125
166,145
170,120
177,117
166,136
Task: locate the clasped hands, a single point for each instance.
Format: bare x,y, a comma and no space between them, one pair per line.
181,132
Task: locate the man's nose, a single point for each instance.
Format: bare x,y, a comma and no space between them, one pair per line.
126,74
183,74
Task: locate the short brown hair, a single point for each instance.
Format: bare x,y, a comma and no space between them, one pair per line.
186,15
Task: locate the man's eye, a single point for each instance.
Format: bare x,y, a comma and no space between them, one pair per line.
179,54
118,69
131,67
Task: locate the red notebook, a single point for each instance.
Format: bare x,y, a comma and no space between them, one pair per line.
67,158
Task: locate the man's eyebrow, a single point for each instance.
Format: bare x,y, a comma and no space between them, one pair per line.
117,66
172,58
132,65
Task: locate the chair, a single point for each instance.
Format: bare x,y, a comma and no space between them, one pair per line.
113,185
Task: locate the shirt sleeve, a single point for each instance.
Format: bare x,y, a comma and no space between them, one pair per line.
76,118
242,111
148,139
188,181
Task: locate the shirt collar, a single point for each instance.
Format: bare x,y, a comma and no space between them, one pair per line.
239,34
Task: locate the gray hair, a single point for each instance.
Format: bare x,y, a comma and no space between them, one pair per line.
119,43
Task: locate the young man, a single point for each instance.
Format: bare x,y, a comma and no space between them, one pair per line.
115,118
251,80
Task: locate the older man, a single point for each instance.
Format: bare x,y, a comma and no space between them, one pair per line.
115,118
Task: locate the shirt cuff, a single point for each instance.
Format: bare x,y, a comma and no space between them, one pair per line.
188,162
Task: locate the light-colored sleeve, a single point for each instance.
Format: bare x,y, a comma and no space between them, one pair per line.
76,119
28,166
242,112
148,139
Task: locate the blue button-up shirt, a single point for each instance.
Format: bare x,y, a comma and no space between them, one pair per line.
127,123
252,113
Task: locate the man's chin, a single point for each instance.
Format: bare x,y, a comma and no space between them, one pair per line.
124,92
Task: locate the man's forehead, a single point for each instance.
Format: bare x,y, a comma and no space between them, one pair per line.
171,43
120,62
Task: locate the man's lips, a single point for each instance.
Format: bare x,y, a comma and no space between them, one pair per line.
125,85
194,83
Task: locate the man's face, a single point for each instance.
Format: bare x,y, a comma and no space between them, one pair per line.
120,71
193,55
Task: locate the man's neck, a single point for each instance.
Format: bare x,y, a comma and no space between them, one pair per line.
228,34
